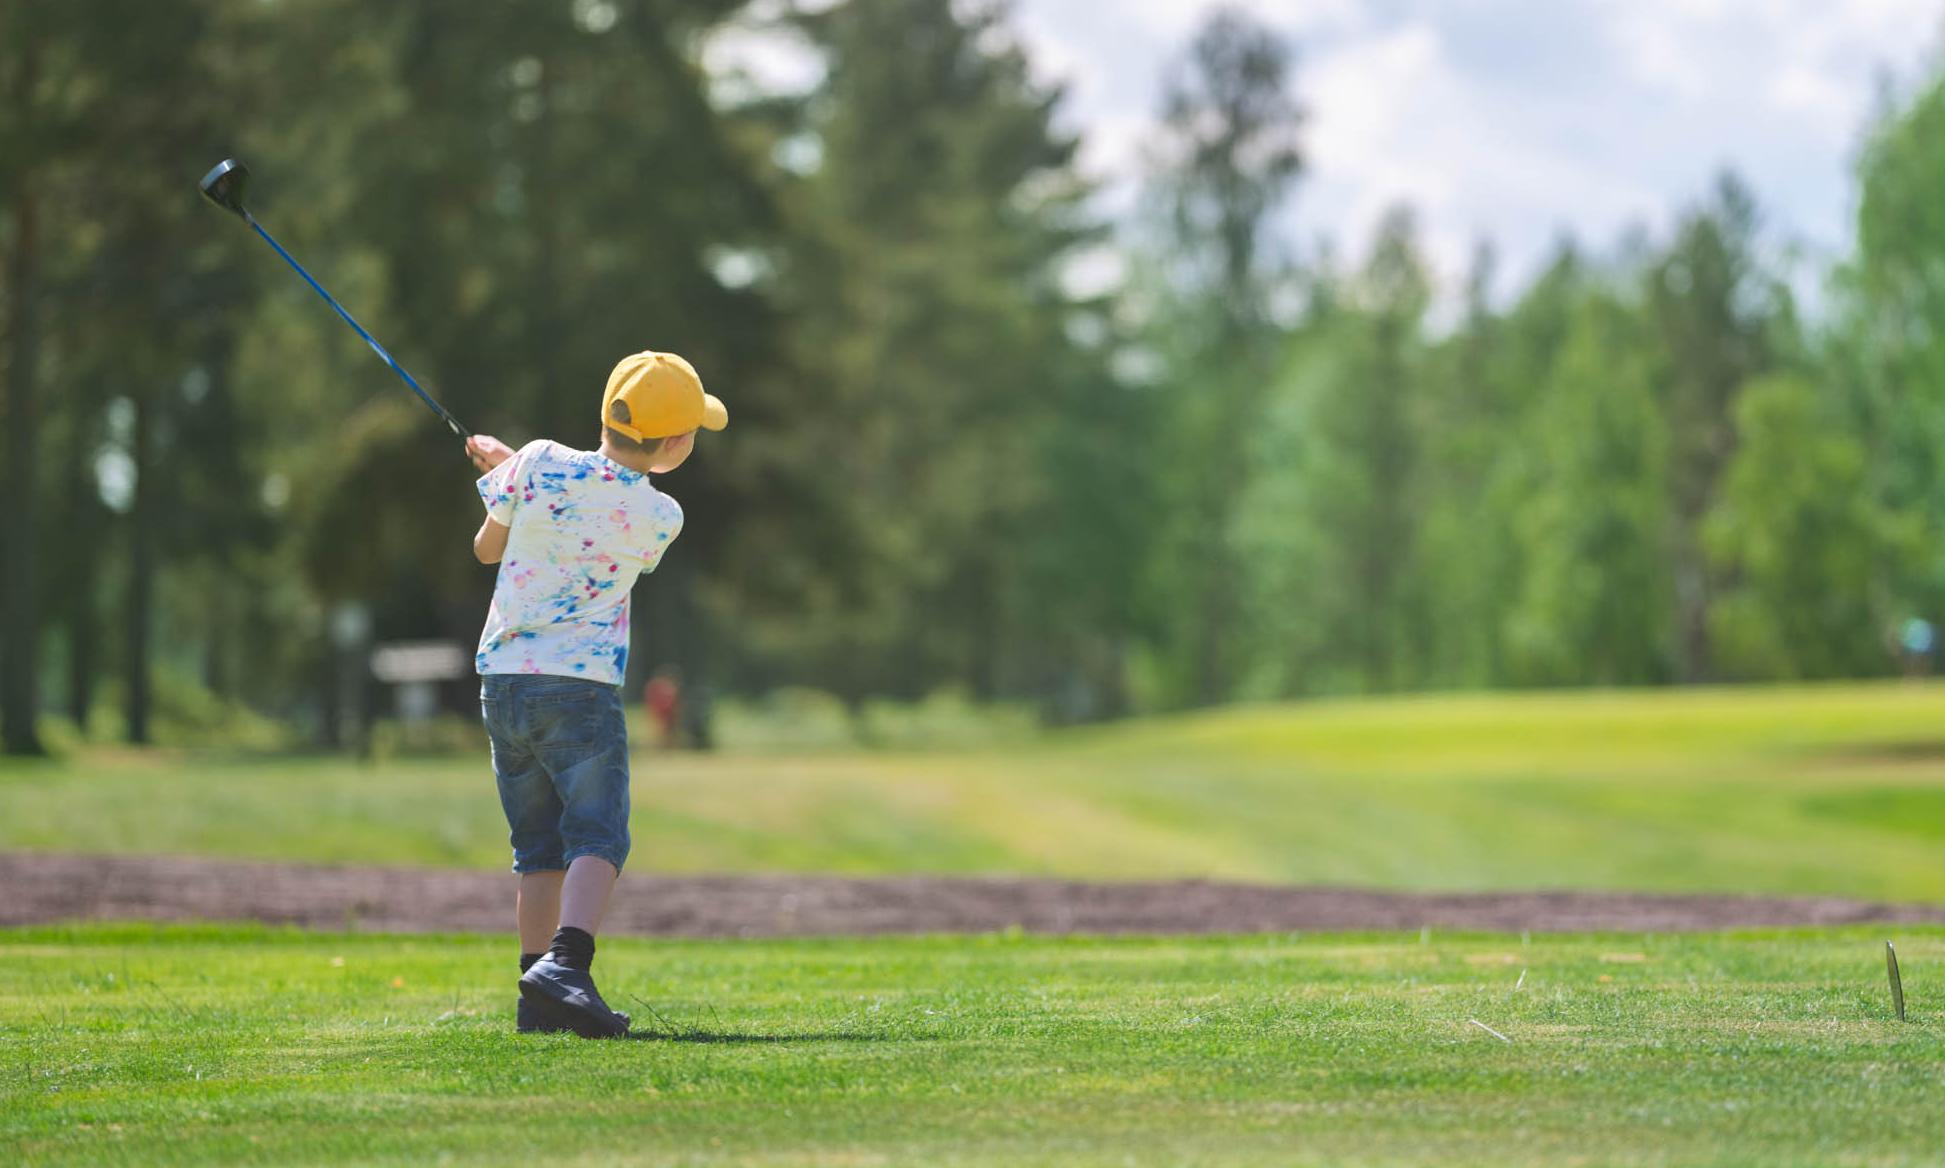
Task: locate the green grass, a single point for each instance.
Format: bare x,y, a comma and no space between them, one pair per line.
198,1045
1836,790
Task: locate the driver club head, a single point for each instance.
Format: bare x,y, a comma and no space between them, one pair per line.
224,186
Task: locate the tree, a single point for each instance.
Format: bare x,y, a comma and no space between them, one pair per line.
1594,599
1487,403
19,539
173,306
1227,159
1717,316
1798,536
1887,353
1356,499
108,236
556,206
931,318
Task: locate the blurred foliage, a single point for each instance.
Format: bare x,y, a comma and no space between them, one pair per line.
795,720
957,465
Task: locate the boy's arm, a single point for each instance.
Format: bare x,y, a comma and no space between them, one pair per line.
490,541
496,490
668,525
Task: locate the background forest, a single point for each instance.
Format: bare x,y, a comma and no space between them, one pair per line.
1239,470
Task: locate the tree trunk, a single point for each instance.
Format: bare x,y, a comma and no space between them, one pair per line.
988,630
330,714
141,564
1692,650
19,638
83,642
84,516
216,649
1212,639
1217,601
83,635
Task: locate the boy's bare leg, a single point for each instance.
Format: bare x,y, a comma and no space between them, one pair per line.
538,909
584,895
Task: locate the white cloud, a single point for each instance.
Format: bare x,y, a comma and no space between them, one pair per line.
1820,98
1807,58
1657,50
1519,119
1177,20
1397,122
1366,141
1508,119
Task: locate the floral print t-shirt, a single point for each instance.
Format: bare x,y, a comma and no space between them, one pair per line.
583,527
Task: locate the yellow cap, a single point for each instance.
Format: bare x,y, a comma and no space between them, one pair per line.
663,395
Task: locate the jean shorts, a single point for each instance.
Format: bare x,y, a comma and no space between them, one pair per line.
560,756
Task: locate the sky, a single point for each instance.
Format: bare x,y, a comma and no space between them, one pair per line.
1514,121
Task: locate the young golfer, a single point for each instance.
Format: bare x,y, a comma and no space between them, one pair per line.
571,530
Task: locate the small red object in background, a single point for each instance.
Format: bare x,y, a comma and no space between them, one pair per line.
663,698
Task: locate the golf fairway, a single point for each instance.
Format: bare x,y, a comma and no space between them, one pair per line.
190,1045
1832,790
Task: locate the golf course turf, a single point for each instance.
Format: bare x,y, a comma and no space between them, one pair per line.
1832,790
197,1044
192,1045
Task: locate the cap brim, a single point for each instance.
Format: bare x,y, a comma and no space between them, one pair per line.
715,415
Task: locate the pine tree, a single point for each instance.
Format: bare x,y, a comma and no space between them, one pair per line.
930,311
1227,159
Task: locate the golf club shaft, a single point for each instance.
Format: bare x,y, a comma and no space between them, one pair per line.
444,414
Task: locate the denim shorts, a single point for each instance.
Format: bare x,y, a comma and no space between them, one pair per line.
560,755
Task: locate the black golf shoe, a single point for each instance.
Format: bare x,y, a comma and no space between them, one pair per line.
567,998
528,1020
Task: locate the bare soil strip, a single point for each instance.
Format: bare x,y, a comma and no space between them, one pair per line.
40,888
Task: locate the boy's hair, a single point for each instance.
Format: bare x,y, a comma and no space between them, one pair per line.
619,412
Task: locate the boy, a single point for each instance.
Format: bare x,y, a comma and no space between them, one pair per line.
571,530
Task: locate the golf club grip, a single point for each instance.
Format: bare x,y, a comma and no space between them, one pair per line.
445,415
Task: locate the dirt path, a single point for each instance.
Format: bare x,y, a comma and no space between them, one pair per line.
44,888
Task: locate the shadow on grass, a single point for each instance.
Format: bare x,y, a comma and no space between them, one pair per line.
731,1038
666,1029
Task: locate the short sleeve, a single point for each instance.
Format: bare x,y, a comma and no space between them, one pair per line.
500,489
668,525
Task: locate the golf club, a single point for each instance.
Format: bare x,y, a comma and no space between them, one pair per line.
224,186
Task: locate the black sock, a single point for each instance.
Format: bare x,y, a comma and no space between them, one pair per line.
573,948
527,961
